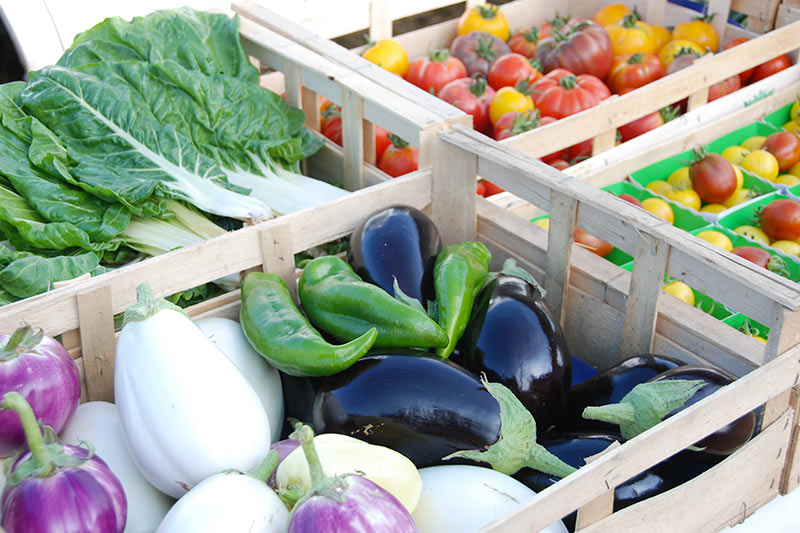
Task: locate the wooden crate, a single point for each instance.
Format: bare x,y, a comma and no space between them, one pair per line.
607,313
760,13
599,123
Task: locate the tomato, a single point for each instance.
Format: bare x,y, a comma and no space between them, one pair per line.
676,48
712,177
713,208
754,254
739,196
331,122
717,239
435,71
756,142
510,99
582,150
793,126
630,36
762,163
555,24
480,189
794,112
698,31
560,164
659,208
648,122
686,197
592,243
785,146
659,187
718,90
515,122
524,41
789,247
560,93
388,54
680,179
788,179
487,18
795,170
478,50
399,158
681,291
735,153
491,188
661,35
631,71
382,141
611,14
510,69
582,47
631,199
745,75
473,96
780,219
757,234
770,67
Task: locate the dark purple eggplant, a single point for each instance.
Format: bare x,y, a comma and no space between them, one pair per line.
428,408
514,339
398,242
727,439
610,386
298,399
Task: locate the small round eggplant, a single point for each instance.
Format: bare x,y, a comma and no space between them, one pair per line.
729,438
398,242
514,339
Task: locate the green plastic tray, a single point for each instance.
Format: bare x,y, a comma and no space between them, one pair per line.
737,320
780,117
686,219
617,256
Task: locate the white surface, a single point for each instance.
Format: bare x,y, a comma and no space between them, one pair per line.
781,515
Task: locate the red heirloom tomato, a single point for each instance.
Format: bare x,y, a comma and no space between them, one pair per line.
581,46
582,150
524,41
780,219
382,141
515,122
510,69
785,146
478,50
648,122
770,67
480,189
631,71
718,90
754,254
713,177
560,93
559,164
557,23
745,75
399,158
491,188
433,72
331,122
631,199
473,96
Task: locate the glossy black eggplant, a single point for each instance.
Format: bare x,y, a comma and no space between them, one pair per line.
729,438
610,386
298,399
397,242
427,408
514,339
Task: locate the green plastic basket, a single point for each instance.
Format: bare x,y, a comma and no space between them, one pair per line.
780,117
686,219
737,321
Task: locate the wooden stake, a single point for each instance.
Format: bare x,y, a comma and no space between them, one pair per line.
98,342
563,213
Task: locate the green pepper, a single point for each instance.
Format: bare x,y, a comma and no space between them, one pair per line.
340,303
277,330
458,276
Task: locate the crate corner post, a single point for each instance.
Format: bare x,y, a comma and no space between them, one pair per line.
455,172
98,341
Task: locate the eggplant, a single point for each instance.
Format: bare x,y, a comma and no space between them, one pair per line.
428,408
514,339
729,438
610,386
298,398
398,242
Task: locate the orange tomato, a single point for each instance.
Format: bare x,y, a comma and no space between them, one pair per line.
698,31
611,14
630,36
677,47
486,17
661,35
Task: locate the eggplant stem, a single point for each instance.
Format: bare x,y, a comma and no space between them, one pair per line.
614,413
33,434
268,465
305,435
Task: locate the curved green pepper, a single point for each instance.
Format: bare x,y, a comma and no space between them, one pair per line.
277,330
458,276
338,302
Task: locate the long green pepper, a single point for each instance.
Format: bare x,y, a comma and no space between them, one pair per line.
340,303
277,330
458,276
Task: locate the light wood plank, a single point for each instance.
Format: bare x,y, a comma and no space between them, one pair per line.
604,141
602,505
369,142
353,140
790,478
380,20
563,213
311,108
97,341
453,195
277,252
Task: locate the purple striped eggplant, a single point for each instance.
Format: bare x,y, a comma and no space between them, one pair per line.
58,487
40,369
344,504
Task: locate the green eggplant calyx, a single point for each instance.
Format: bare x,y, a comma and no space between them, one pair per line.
321,485
267,467
147,305
646,405
23,340
517,447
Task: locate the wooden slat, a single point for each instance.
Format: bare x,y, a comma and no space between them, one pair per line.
563,213
277,252
453,203
604,141
603,504
380,20
98,342
353,140
790,479
311,108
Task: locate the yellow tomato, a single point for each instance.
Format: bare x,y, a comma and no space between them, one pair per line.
735,154
794,112
630,36
611,14
795,170
717,239
659,208
687,197
661,35
543,222
697,31
757,234
790,247
681,291
680,180
753,143
793,126
486,17
659,187
759,338
388,54
713,208
739,176
762,163
738,197
675,47
788,179
508,99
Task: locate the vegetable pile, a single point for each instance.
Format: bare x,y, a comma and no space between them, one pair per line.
146,136
385,367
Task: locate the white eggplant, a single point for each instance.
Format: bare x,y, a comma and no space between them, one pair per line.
228,336
465,498
98,423
186,410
